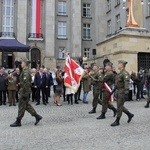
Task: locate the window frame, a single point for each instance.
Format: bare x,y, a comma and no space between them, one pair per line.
109,27
8,18
87,30
62,6
61,54
148,7
118,22
87,52
87,8
108,5
62,30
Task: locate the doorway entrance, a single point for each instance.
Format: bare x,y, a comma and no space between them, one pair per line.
35,58
7,59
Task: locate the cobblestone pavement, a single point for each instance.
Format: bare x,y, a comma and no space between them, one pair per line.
70,127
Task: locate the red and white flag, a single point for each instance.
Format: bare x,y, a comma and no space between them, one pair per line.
73,74
36,18
108,89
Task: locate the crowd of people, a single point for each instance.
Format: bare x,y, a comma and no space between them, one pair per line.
44,81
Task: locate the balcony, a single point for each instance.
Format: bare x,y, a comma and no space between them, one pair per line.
35,37
7,35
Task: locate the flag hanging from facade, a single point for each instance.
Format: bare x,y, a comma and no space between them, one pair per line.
73,74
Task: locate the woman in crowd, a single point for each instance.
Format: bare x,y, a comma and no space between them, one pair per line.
59,87
33,72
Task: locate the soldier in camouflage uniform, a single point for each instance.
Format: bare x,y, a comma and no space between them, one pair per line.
96,88
122,86
108,78
25,90
148,89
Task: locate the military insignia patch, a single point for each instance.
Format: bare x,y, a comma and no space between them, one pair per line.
24,78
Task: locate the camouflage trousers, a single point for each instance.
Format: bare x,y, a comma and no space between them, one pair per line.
24,106
96,99
120,104
105,102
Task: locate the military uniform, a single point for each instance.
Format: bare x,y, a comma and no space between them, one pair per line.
122,86
96,91
108,78
24,92
148,90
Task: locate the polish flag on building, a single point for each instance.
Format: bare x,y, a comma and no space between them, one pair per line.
73,74
36,18
108,89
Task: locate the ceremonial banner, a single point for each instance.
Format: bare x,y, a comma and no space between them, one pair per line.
73,74
108,89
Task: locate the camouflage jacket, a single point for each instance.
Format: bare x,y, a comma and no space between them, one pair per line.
25,83
122,81
109,78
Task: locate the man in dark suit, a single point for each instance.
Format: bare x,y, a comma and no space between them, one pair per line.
40,83
3,89
47,90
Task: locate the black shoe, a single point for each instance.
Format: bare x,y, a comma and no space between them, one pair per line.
79,99
130,116
14,104
17,123
38,118
37,104
116,123
10,104
4,103
0,104
102,116
143,97
147,105
76,102
44,103
92,111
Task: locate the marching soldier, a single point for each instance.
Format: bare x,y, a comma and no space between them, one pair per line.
122,86
108,78
148,90
96,88
25,90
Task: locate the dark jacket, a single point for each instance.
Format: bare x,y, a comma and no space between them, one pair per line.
40,82
3,82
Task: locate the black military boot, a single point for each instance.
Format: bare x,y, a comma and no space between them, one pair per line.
114,111
93,111
76,102
130,116
17,123
38,118
102,116
147,105
116,123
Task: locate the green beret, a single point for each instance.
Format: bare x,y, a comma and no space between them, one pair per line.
122,62
109,64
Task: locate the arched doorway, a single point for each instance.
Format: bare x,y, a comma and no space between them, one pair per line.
35,58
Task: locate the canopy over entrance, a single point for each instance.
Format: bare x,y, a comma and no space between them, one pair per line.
13,45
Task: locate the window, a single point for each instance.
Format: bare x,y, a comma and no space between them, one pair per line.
61,29
8,18
87,52
61,53
62,8
108,27
108,5
86,10
86,31
118,23
148,13
117,2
